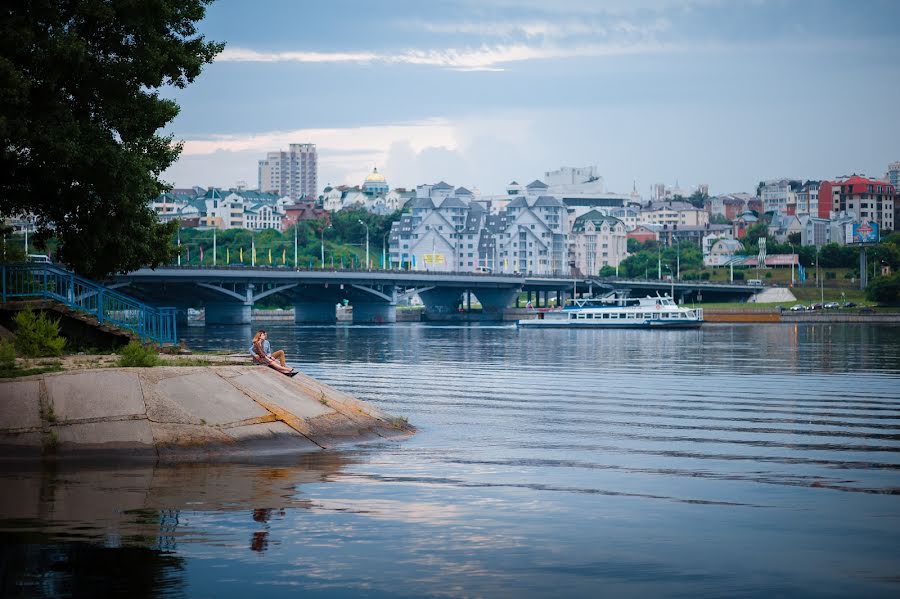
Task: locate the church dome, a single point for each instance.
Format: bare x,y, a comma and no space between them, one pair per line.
375,177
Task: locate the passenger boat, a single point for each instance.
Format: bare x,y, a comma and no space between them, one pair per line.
615,311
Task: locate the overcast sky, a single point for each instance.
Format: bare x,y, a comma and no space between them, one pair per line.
481,92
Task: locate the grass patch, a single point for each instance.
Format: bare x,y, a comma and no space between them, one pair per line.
136,355
7,373
187,362
399,421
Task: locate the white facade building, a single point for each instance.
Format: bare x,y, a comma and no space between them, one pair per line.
597,240
293,173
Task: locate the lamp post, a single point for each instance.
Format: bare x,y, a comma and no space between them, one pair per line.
323,246
658,261
792,263
367,241
672,281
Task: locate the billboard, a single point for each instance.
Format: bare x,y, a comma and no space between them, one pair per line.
433,259
864,232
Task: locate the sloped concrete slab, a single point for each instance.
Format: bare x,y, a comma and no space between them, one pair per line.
82,395
114,434
279,391
208,397
169,435
274,435
20,404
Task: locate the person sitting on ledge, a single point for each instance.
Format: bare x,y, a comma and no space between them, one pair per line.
261,353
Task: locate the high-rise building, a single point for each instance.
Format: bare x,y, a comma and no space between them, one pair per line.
293,173
893,174
868,200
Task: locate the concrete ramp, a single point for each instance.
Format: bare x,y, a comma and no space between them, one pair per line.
773,295
181,413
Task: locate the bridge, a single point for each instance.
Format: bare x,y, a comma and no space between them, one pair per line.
229,293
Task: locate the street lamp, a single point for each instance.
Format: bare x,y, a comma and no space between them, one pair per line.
323,245
367,241
672,281
792,263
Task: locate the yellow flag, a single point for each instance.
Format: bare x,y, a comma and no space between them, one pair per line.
242,255
270,255
227,256
284,257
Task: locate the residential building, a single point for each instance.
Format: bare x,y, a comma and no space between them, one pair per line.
722,250
643,233
742,224
779,195
729,206
597,240
814,230
783,226
301,211
673,213
868,199
892,175
293,173
808,198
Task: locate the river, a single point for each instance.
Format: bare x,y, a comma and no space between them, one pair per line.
733,460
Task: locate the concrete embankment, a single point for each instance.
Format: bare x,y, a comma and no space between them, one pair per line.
786,316
181,413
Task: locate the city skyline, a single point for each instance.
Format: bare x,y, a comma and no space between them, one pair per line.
692,91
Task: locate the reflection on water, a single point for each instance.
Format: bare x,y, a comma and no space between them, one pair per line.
730,460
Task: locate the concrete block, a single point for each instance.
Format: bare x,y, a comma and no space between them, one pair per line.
208,397
20,404
278,389
95,394
275,436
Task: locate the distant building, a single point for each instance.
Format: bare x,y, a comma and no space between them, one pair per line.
722,251
868,199
597,240
729,206
808,198
642,234
301,211
375,184
780,195
673,213
293,173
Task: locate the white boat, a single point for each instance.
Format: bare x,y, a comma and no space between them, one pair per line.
619,312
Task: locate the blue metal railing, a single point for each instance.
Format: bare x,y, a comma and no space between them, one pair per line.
49,282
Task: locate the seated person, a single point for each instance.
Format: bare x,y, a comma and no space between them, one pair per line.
261,353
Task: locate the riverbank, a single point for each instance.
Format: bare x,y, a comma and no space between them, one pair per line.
181,413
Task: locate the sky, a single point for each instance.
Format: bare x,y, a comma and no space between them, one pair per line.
482,92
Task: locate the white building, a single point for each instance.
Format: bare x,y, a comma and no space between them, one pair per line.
673,214
777,195
597,240
293,173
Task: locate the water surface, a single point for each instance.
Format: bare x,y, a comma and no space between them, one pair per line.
740,460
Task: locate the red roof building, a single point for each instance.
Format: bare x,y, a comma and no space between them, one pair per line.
303,211
868,199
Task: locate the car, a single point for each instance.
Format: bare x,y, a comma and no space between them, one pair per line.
848,305
754,282
832,305
866,310
482,269
816,306
39,258
798,308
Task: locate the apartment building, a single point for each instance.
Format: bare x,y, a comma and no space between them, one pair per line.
293,173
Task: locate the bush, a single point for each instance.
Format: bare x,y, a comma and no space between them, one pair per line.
704,276
768,275
37,336
142,356
830,274
7,355
885,290
738,276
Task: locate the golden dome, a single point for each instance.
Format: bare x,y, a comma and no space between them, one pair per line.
375,177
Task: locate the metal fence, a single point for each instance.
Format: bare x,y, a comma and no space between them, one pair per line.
49,282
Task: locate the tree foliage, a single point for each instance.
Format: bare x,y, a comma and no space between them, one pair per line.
885,290
79,113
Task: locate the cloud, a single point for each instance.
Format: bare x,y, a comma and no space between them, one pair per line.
484,57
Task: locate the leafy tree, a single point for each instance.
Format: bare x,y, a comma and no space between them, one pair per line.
795,238
698,199
79,113
754,233
885,290
719,219
37,335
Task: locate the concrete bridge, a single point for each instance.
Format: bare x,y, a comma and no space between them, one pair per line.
229,293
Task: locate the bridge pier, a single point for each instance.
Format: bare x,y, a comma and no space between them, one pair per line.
228,313
440,303
309,312
374,312
495,301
